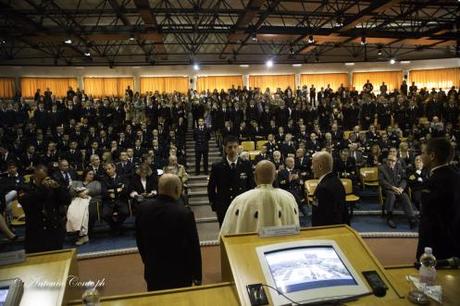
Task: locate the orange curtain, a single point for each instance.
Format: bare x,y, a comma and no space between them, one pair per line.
323,79
103,87
392,79
218,82
435,78
164,84
272,81
6,87
58,86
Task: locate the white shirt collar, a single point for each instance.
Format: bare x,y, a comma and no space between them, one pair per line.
230,162
322,176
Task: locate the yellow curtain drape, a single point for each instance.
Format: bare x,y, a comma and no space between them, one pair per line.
58,86
435,78
164,84
103,87
272,81
323,79
6,87
218,82
392,79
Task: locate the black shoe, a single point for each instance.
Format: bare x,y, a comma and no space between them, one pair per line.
391,223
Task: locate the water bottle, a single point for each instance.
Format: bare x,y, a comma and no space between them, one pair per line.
427,270
91,296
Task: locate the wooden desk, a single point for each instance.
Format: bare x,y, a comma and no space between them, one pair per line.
52,267
240,263
448,279
223,294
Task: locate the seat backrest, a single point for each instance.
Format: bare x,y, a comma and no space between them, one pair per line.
248,145
17,211
310,186
369,174
253,154
260,144
348,185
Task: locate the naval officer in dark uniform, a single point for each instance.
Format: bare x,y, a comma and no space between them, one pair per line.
229,178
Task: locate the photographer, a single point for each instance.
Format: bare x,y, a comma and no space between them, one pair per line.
42,200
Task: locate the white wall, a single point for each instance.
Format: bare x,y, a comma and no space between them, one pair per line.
136,72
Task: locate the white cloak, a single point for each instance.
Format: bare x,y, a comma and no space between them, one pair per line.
260,207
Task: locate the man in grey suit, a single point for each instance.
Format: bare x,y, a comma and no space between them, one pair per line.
393,183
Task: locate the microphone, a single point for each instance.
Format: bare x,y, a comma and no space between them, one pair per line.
452,263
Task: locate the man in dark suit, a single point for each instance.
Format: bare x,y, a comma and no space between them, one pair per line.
229,178
64,175
167,239
114,198
201,136
329,207
440,213
392,179
125,168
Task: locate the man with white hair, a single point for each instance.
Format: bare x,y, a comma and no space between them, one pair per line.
262,206
329,207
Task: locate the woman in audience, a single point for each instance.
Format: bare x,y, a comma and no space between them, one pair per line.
87,190
143,185
375,157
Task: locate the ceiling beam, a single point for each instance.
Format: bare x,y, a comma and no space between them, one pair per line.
150,24
238,31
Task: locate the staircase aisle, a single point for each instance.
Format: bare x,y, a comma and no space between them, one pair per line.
206,220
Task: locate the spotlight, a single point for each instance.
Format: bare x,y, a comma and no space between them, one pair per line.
2,41
311,40
269,63
87,53
379,52
131,37
68,41
363,41
254,37
339,22
392,61
296,65
244,66
291,51
349,64
196,67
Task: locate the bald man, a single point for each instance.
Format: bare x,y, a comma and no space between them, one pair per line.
262,206
167,239
329,206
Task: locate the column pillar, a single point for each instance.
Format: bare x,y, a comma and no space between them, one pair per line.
246,80
297,82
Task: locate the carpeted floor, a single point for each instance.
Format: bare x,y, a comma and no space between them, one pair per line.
124,273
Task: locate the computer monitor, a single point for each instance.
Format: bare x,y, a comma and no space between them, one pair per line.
309,271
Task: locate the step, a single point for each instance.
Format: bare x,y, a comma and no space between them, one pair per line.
198,189
198,202
198,199
208,231
199,193
203,212
197,184
197,178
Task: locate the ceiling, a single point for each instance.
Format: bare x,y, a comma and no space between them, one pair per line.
177,32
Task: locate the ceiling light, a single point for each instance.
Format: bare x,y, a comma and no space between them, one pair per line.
87,53
196,67
363,41
339,22
254,37
349,64
406,62
131,37
392,61
269,63
68,41
244,66
296,65
311,40
379,52
3,41
136,67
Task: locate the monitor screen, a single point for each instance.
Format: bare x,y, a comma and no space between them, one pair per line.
303,268
3,295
